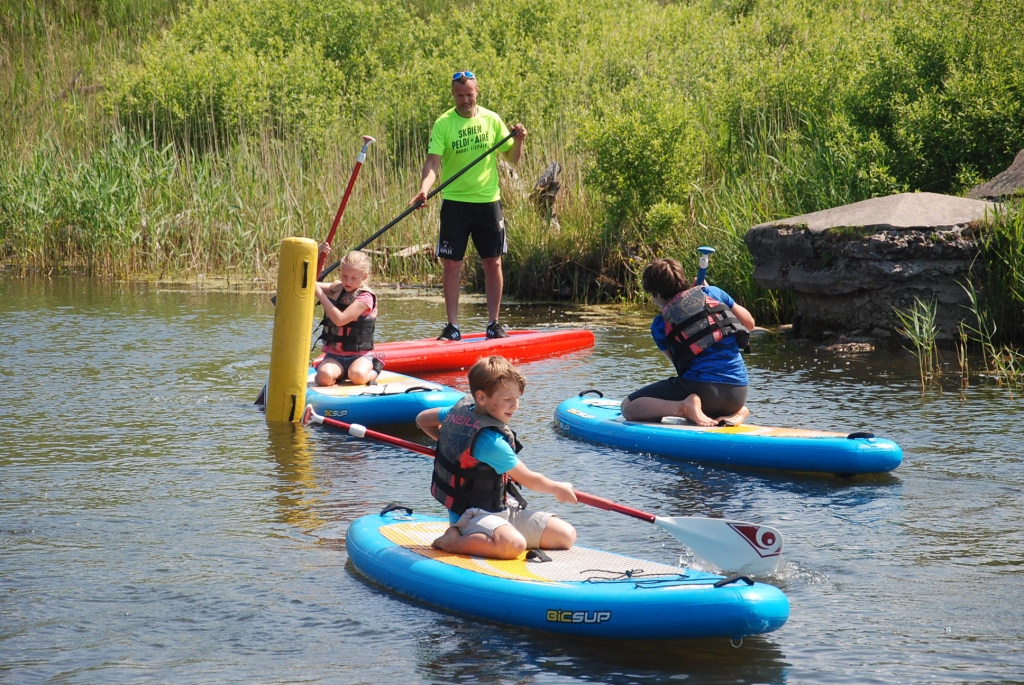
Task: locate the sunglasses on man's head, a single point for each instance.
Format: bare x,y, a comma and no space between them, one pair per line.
463,74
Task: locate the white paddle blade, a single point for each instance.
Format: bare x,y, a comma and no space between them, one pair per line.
734,546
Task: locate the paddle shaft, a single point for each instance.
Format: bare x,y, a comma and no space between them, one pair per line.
382,437
608,505
367,140
412,208
729,544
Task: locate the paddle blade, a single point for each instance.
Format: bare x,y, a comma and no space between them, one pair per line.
734,546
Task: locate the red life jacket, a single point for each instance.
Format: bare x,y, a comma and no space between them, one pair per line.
355,336
460,481
694,322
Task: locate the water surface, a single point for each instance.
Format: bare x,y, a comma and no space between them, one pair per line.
154,529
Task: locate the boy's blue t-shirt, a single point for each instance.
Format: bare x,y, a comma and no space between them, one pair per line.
720,363
491,448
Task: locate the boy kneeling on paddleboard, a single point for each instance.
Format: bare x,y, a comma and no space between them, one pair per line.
476,471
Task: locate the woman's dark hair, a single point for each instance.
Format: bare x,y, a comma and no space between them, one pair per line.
664,278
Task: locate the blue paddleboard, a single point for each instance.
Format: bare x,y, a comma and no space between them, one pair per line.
579,591
598,419
394,399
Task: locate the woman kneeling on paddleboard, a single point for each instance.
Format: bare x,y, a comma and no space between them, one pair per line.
702,330
476,469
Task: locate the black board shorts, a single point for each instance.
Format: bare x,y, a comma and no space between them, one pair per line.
345,361
716,399
483,221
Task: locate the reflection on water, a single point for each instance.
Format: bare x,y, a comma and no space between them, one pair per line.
534,657
300,495
153,528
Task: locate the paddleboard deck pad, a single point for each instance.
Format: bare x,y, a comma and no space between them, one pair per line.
395,398
579,591
428,354
598,419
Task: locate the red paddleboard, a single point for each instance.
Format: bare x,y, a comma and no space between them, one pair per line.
428,354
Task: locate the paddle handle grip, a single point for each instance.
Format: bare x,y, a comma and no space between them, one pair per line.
367,140
608,505
702,264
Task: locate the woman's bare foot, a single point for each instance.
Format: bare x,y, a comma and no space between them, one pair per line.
690,409
444,542
737,418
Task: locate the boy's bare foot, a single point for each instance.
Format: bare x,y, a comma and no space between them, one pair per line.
690,409
444,542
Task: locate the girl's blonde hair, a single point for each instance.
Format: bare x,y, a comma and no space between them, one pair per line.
357,260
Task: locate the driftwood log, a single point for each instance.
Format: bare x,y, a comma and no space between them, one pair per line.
545,194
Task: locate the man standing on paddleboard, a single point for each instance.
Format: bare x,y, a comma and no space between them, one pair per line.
471,205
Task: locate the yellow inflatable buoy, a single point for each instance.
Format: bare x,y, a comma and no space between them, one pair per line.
293,326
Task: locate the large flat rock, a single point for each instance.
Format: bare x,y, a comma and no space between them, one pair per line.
905,211
851,267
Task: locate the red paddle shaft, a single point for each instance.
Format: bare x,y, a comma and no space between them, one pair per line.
382,437
582,497
608,505
367,140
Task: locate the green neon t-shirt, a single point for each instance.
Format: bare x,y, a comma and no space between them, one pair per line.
459,141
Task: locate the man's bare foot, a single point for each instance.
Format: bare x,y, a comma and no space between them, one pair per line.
444,542
690,409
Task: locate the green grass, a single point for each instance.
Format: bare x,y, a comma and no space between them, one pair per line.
996,294
162,138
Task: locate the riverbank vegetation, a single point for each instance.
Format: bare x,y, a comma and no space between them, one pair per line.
156,137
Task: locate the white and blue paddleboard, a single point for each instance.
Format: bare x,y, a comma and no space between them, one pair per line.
579,591
394,398
792,449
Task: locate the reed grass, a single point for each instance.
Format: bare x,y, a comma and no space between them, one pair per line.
1002,360
963,360
1001,275
918,325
